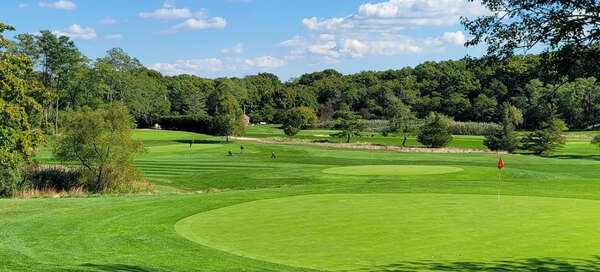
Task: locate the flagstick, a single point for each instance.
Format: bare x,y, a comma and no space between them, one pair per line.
499,182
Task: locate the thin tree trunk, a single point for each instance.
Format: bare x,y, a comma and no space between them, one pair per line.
348,140
99,185
56,117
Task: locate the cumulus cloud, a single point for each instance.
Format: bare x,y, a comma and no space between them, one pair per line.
193,20
190,66
457,38
23,5
236,49
265,62
374,29
77,32
62,4
199,24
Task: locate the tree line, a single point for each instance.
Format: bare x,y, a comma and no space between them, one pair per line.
466,90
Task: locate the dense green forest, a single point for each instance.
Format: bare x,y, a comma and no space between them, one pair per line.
467,89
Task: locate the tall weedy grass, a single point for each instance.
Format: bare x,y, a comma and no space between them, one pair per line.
473,128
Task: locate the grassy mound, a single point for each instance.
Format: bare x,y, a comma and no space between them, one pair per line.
392,170
353,232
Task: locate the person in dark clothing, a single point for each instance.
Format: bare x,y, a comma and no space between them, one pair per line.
242,149
273,156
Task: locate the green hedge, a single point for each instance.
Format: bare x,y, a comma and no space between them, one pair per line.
191,123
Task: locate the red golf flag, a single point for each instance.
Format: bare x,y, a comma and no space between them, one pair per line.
500,163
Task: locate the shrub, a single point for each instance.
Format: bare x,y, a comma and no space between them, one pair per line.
291,131
502,139
547,139
57,177
473,128
596,140
191,123
300,117
435,132
10,173
101,142
10,180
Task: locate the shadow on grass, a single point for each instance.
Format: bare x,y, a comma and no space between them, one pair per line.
579,157
202,141
521,265
120,268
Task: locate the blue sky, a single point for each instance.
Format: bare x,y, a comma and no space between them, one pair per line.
213,38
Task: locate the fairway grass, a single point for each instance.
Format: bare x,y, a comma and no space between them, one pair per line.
392,170
318,207
354,231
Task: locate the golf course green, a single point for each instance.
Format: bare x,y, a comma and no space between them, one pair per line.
392,170
318,208
358,231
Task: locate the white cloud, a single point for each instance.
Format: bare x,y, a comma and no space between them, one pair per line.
422,12
62,4
326,49
167,14
265,62
108,20
23,5
190,66
327,37
77,32
113,36
374,29
169,4
236,49
457,38
200,24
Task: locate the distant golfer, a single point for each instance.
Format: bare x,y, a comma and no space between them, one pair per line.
273,156
229,153
372,133
242,149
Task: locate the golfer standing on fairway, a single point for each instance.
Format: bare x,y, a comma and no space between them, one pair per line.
242,149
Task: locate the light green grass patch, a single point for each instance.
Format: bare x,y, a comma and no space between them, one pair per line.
392,170
354,231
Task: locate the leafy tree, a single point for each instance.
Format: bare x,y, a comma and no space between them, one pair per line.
349,125
100,140
522,24
188,94
402,121
147,97
435,132
564,25
504,138
19,115
228,117
547,139
300,117
291,131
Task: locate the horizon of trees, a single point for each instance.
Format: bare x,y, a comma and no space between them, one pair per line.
466,90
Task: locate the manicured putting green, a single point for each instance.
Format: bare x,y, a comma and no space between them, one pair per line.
354,232
392,170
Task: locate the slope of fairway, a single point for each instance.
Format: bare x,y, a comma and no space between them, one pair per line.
356,231
392,170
